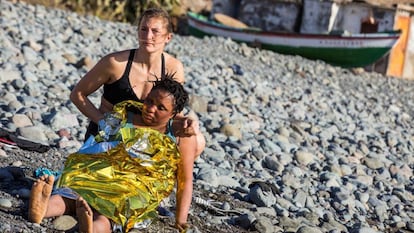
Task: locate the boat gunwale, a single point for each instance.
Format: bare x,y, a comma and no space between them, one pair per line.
372,36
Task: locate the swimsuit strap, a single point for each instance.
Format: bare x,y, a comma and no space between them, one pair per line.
129,64
162,66
170,132
130,118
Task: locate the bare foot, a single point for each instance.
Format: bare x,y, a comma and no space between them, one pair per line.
85,216
39,198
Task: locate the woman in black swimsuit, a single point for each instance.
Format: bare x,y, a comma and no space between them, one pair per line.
128,74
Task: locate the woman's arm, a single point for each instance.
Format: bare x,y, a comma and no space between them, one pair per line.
188,127
187,147
100,74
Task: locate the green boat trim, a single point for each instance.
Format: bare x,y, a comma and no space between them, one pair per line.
356,50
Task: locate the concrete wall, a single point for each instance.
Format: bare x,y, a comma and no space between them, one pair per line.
351,15
385,18
316,17
327,16
227,7
270,15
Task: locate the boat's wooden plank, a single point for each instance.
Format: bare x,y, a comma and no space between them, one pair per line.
229,21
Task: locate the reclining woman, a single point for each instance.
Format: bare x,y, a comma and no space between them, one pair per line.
125,184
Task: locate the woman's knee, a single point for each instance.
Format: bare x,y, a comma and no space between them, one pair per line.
101,223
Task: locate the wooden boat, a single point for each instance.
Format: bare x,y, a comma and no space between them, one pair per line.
345,50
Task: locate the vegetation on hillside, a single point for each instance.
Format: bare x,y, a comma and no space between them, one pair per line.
113,10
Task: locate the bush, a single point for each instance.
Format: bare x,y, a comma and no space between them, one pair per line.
113,10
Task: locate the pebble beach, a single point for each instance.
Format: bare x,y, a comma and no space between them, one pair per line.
297,145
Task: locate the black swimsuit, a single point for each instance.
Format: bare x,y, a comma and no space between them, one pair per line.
120,90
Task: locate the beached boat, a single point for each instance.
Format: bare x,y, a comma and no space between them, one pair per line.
345,50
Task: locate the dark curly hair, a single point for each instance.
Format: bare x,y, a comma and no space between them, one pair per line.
169,84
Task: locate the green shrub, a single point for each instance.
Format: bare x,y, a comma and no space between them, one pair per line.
113,10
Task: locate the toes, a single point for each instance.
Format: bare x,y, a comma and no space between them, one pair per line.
44,178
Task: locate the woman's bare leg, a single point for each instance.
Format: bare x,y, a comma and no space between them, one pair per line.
90,221
39,198
59,206
85,216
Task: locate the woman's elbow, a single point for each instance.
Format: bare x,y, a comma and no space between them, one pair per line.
75,97
72,96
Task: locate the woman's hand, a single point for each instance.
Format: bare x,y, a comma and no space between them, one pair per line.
187,127
182,227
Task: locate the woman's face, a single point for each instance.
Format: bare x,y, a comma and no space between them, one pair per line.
153,33
158,108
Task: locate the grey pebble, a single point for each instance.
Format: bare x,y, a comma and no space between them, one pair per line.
334,143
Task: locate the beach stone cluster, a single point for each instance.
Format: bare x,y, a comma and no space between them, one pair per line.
308,147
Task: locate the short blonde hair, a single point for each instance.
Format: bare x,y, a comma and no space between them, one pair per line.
157,12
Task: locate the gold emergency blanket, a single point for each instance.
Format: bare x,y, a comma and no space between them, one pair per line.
127,182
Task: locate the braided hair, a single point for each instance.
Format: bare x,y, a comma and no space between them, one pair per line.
169,84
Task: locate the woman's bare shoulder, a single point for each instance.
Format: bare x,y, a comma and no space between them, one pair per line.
112,65
115,60
175,66
170,60
118,55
